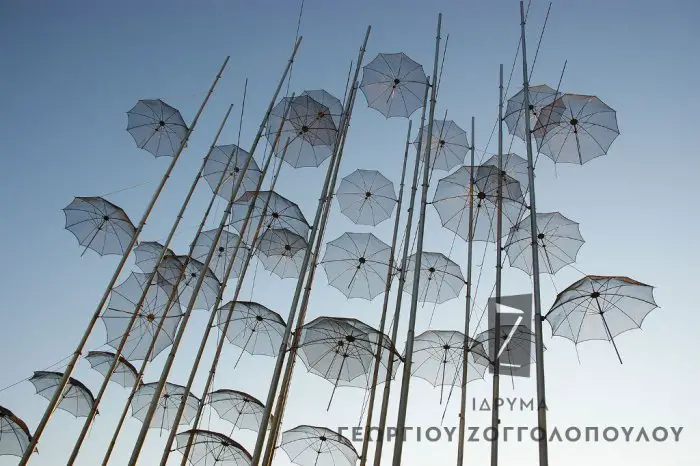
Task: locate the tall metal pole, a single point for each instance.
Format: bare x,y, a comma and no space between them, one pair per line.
496,343
467,312
144,293
91,325
260,441
402,280
176,342
385,305
403,401
539,352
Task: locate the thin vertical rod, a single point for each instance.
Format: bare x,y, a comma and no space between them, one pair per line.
61,386
144,293
178,337
402,281
385,304
468,307
607,329
539,352
496,342
260,441
403,401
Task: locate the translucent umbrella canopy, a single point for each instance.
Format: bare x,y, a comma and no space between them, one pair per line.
99,225
515,167
169,402
576,129
440,279
240,409
228,248
124,373
14,434
357,265
366,197
212,448
225,167
448,145
281,213
307,135
558,242
394,85
317,446
252,327
511,347
206,297
146,256
452,201
515,115
600,307
281,252
77,399
156,127
121,308
332,103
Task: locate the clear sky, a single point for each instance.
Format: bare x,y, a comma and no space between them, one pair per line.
72,69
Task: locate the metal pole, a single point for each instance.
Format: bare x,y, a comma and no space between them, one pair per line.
171,356
496,343
539,352
385,305
402,280
139,304
467,313
260,441
76,354
403,401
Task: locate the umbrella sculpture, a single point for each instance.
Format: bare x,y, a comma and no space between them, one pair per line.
317,446
240,409
511,348
334,106
230,159
576,129
146,255
281,251
99,225
156,127
600,308
308,133
206,297
168,404
280,213
440,279
559,240
515,167
366,197
343,351
448,145
394,85
357,264
77,399
438,356
451,200
122,306
539,97
212,448
253,327
14,434
124,373
224,251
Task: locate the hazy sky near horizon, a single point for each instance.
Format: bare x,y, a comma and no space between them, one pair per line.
72,69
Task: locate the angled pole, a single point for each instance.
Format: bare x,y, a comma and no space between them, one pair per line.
171,356
385,305
467,313
496,343
539,347
406,379
402,281
260,441
142,299
91,325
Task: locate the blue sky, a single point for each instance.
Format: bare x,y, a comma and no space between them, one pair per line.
72,69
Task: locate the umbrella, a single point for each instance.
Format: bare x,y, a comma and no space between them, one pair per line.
512,349
317,446
225,249
169,402
99,225
280,213
448,145
14,434
515,167
253,327
240,409
440,279
334,106
206,297
228,161
77,399
124,373
366,197
539,97
394,85
156,127
146,256
281,252
212,448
